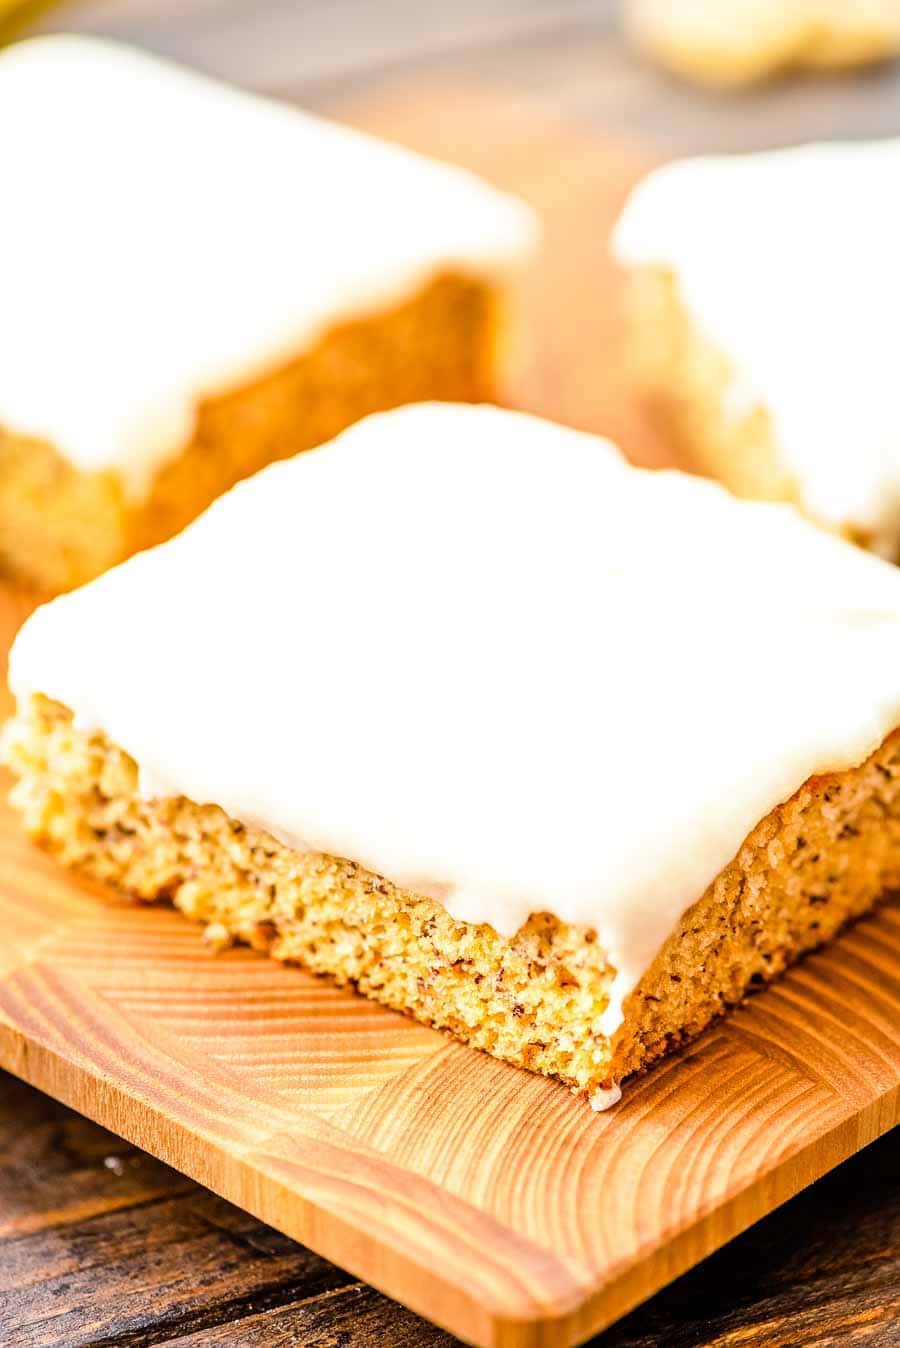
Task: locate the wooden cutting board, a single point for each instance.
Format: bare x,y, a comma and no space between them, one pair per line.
486,1199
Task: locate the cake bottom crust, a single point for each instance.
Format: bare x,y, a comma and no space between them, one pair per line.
537,999
60,527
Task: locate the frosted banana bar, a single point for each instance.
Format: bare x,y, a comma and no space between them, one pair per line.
196,281
558,754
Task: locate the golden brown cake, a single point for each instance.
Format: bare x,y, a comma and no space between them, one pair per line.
536,999
762,299
550,752
230,281
61,526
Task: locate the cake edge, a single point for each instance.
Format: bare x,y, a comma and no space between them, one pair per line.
684,379
64,526
823,858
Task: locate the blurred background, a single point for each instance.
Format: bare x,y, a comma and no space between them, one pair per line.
551,99
570,54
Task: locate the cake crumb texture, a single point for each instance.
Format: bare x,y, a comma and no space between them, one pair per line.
536,1000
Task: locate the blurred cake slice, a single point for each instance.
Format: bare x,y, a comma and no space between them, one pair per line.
195,281
763,303
558,754
737,42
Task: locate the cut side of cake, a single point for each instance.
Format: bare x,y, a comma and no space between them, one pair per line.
745,41
559,755
197,282
762,301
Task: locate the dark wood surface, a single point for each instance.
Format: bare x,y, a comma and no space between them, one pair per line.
99,1243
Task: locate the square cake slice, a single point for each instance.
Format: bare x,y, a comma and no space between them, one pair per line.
764,295
557,754
195,281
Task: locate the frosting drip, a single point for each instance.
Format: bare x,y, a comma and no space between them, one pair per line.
480,655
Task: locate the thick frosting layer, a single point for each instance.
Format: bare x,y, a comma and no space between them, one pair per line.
167,238
788,262
479,654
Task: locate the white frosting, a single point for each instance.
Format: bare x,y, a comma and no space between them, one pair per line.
166,238
479,654
788,262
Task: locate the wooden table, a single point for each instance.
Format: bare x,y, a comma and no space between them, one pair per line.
99,1243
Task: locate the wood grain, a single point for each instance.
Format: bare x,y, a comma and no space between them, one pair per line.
822,1270
484,1198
